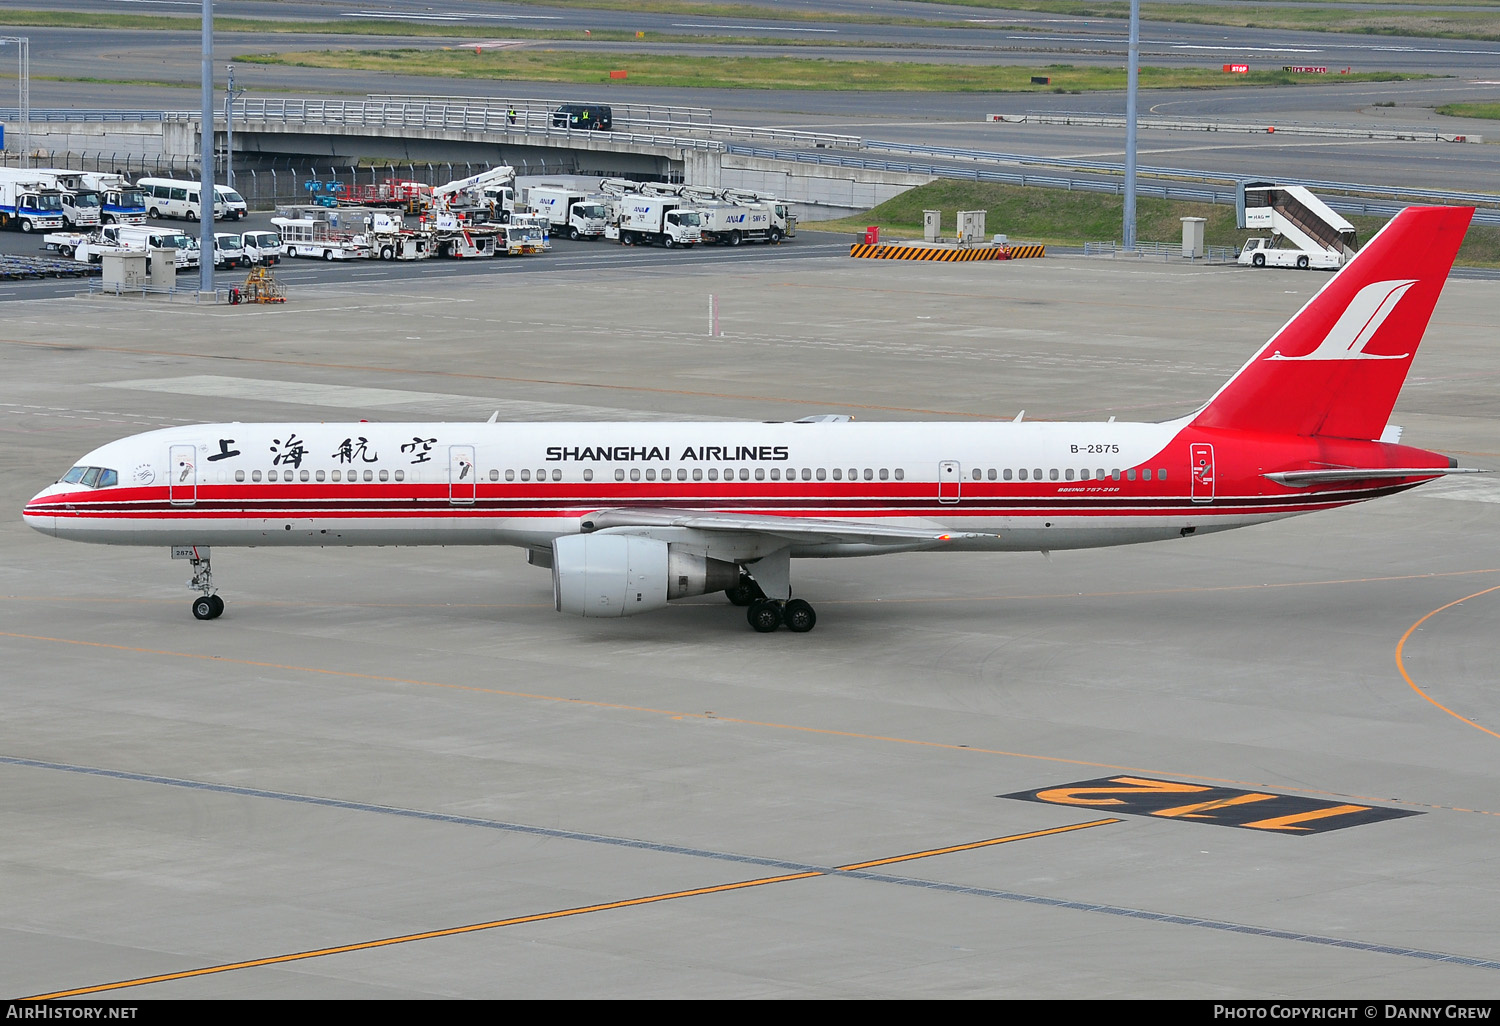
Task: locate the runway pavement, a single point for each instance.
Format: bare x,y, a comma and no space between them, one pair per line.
400,773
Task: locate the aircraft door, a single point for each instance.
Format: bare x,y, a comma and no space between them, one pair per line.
182,475
462,474
1201,456
950,481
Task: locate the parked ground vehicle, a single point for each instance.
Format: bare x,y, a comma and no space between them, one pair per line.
139,238
308,238
656,219
175,197
487,196
1305,231
235,207
80,203
28,203
569,211
229,250
595,116
121,202
263,248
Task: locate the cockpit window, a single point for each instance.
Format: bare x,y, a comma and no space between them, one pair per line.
92,477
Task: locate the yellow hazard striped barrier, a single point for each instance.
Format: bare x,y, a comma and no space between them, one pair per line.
877,251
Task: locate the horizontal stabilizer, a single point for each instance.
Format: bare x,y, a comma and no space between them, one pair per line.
1297,478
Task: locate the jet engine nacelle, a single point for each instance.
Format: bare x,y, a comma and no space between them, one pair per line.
624,574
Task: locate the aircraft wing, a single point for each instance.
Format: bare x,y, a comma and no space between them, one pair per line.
793,529
1294,478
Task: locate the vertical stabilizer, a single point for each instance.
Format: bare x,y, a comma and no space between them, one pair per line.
1336,368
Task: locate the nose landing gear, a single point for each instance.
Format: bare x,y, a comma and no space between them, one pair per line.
208,606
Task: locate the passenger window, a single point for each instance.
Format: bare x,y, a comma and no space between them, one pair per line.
385,475
900,474
775,473
369,476
588,475
713,473
697,473
1130,474
619,475
760,474
870,474
239,475
401,475
822,474
978,474
1146,474
884,473
510,475
838,474
1083,475
1161,475
319,475
304,475
525,475
1007,474
635,474
1115,474
255,476
1024,475
1068,475
744,473
807,474
494,475
271,475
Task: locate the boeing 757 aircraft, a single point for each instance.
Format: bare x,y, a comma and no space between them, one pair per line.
631,516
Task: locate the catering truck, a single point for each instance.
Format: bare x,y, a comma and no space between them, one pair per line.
29,203
80,203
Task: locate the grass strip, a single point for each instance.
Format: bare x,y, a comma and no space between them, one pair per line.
537,65
1063,218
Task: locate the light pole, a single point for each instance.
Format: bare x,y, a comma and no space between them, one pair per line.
206,160
1132,76
229,99
23,108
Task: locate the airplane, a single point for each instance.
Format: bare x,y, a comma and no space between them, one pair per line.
631,516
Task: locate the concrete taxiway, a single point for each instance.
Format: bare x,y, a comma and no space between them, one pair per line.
400,773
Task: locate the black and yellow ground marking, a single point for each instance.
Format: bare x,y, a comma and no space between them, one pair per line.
1221,806
803,874
882,251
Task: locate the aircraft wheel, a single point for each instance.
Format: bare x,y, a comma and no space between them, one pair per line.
1259,260
764,615
218,606
744,593
1302,263
799,616
203,607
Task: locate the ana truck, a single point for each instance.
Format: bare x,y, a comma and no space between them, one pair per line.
305,237
80,203
570,212
28,203
732,216
120,202
667,220
487,196
1305,231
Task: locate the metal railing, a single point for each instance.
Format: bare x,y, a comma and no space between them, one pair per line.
1160,251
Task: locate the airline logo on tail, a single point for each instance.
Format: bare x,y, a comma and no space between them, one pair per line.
1362,318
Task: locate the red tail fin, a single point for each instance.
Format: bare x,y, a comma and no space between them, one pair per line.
1336,367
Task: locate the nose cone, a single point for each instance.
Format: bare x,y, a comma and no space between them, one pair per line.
39,512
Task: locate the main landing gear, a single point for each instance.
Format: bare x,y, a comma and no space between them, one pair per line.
766,614
208,606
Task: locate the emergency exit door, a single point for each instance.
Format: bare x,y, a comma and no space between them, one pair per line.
1202,457
461,474
950,481
182,475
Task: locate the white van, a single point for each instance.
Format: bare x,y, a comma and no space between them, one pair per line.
176,197
229,251
234,204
